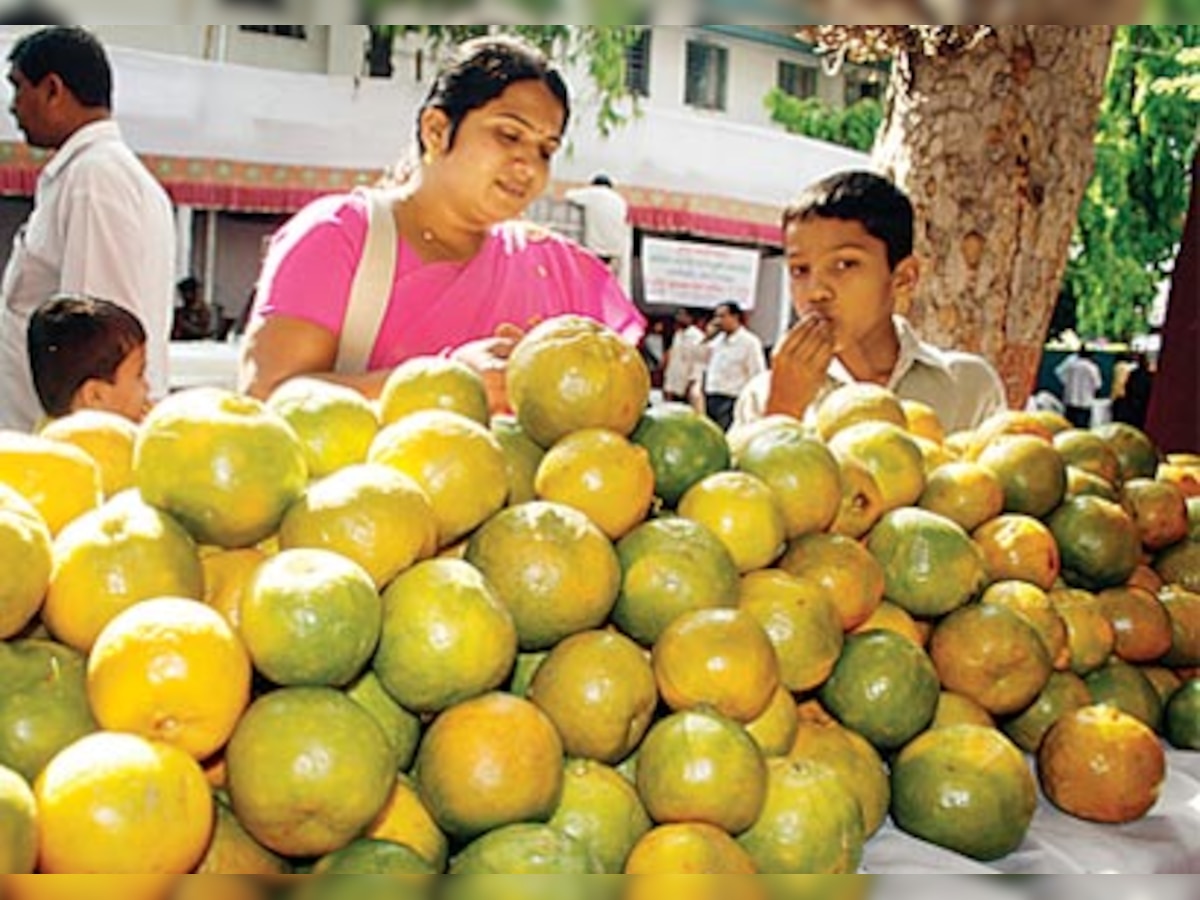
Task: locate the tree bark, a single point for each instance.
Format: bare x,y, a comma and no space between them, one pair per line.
995,148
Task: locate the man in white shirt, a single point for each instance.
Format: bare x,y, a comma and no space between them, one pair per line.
606,230
735,357
1081,381
685,359
101,225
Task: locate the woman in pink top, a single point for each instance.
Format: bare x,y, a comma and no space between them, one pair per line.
469,279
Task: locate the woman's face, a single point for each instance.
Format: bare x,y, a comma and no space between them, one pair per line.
500,161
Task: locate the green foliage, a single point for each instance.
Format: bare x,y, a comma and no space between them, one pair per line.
1131,217
855,126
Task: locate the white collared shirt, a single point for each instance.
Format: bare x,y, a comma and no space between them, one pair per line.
101,225
1081,380
962,388
686,362
733,360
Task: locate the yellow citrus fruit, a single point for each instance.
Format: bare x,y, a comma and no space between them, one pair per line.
60,480
488,762
1030,470
94,816
1020,548
402,727
850,404
228,575
233,851
602,811
698,766
309,770
810,822
964,492
433,382
1134,448
92,887
844,567
106,437
719,659
922,420
447,636
775,729
369,513
742,511
1007,423
1085,450
1180,565
890,617
458,462
862,771
801,620
572,372
223,464
688,848
862,500
310,617
1064,692
112,558
598,689
802,474
740,434
18,825
335,424
405,819
1183,606
684,446
1032,604
1158,509
600,473
933,454
1101,764
1081,483
890,454
1140,622
1091,637
553,568
521,457
967,788
955,709
25,558
668,567
1119,684
1098,542
991,655
170,670
530,851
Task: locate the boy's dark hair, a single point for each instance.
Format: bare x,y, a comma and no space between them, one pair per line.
860,196
479,72
74,55
72,339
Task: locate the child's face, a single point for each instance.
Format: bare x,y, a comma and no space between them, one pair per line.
128,394
840,271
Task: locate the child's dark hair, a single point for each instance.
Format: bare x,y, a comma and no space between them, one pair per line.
860,196
74,55
73,339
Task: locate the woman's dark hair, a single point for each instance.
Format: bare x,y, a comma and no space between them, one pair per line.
864,197
480,70
73,339
74,55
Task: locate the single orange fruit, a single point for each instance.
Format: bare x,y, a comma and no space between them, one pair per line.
1098,541
61,481
1135,450
554,569
861,769
957,709
170,670
922,420
598,689
1140,622
1183,607
855,402
1158,509
802,474
18,825
720,659
844,568
26,557
433,382
228,575
487,762
688,848
1085,450
402,727
775,729
862,500
602,811
521,457
743,512
1064,692
1090,635
1086,484
890,454
405,819
964,492
1119,684
684,447
1020,548
106,437
93,814
528,850
224,465
335,424
1030,470
232,851
1101,764
1033,605
1180,565
890,617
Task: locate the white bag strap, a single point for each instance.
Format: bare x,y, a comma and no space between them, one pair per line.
372,286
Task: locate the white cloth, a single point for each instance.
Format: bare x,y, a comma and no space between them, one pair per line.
685,363
606,228
101,225
962,388
1080,379
734,359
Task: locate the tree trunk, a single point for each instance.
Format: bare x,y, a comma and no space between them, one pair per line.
381,39
995,148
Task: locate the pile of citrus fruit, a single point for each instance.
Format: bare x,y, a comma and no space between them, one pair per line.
594,636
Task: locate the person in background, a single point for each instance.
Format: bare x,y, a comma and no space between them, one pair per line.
606,229
101,225
734,356
465,278
1081,381
88,353
1131,399
193,318
685,359
849,245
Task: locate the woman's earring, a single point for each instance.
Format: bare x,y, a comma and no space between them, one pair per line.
427,159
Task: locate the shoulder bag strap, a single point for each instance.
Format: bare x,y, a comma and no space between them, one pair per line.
372,286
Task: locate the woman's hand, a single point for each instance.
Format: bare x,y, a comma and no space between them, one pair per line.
799,366
489,357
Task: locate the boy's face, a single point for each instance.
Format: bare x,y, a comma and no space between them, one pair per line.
840,272
126,395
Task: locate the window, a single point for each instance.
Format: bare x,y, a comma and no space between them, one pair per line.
637,65
296,32
707,73
862,86
797,80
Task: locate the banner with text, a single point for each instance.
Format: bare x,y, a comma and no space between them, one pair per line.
686,273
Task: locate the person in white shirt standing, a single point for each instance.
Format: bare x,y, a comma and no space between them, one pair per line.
1081,381
685,360
101,224
606,230
735,357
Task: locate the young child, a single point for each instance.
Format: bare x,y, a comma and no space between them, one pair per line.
849,246
87,353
